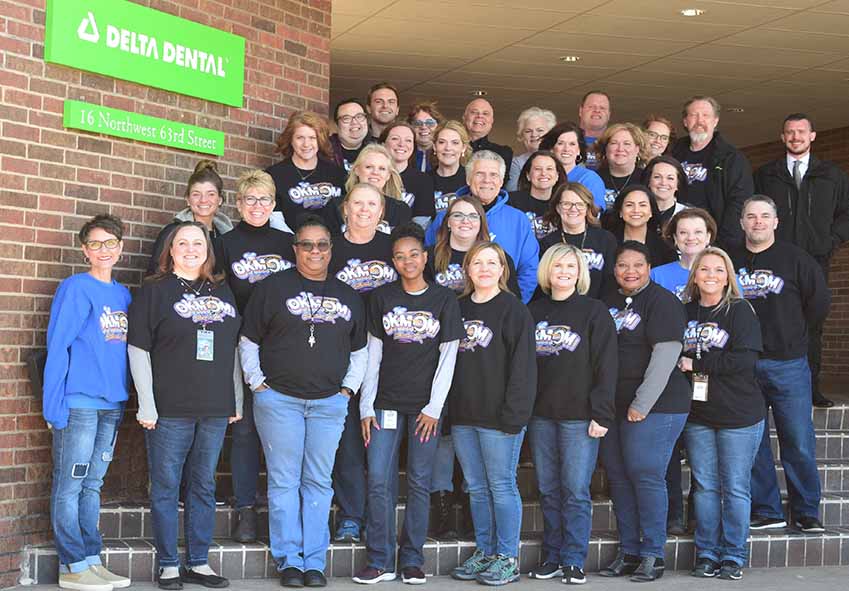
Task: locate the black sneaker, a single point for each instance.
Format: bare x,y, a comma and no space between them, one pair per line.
572,575
730,571
291,577
808,525
759,522
370,575
651,568
547,570
622,565
314,578
413,575
705,568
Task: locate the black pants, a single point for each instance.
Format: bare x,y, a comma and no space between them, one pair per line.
815,338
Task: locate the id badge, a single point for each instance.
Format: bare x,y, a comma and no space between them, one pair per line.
390,419
205,345
700,387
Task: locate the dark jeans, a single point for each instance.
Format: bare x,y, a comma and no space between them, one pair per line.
636,456
245,451
786,385
349,471
197,444
82,452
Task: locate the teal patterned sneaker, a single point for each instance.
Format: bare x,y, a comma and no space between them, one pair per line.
474,565
502,570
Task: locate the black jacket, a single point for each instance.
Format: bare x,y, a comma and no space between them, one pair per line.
506,152
815,217
729,184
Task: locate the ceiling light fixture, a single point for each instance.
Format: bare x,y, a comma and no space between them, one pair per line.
735,110
569,59
479,93
692,12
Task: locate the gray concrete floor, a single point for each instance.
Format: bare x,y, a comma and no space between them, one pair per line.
773,579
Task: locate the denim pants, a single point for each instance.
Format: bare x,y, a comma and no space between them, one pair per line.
635,456
299,438
82,452
383,453
786,385
564,460
245,453
721,460
443,465
349,472
489,458
195,442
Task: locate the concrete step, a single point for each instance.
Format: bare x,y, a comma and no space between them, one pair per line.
135,557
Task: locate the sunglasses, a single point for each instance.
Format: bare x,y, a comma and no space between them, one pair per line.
425,122
310,245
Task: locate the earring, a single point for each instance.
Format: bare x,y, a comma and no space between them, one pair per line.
87,260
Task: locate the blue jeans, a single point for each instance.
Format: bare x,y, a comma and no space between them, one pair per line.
786,385
349,472
383,493
82,452
244,455
197,444
443,466
636,456
489,459
299,438
564,459
721,460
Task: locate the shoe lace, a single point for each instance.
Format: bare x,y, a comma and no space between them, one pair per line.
476,561
501,566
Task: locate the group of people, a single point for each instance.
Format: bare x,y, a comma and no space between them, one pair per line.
631,297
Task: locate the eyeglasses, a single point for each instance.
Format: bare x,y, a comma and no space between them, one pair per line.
401,258
310,245
110,244
425,122
459,216
251,200
346,119
567,205
656,136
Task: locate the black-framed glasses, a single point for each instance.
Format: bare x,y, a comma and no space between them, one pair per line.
425,122
346,119
566,206
110,244
310,245
251,200
459,216
656,136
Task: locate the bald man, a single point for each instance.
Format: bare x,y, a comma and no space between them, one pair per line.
478,119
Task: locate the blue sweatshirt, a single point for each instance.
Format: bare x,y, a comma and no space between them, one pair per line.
510,229
86,348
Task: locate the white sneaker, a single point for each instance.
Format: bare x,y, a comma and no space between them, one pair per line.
117,581
86,580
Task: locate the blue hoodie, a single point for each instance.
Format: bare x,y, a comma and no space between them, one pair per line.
510,229
86,348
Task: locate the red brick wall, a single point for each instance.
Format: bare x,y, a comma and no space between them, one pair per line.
833,145
51,180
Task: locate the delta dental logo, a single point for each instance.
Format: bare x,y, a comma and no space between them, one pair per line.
625,319
113,325
318,310
759,283
204,309
149,47
410,326
595,260
256,268
707,333
366,276
314,196
478,334
551,339
452,277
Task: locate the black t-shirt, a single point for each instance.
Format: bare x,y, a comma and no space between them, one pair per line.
654,316
350,156
614,184
730,342
411,327
418,192
576,350
278,319
250,254
694,164
495,379
395,213
599,248
534,209
453,276
164,319
305,191
363,266
443,185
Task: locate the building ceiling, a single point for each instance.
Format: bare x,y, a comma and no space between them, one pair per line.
768,57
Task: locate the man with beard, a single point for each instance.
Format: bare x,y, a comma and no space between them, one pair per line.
352,125
812,197
593,117
383,107
718,174
478,119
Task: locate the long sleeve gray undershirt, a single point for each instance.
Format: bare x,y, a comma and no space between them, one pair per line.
664,357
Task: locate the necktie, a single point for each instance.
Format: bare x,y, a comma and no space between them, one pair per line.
797,174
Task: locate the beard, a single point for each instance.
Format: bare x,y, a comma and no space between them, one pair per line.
699,137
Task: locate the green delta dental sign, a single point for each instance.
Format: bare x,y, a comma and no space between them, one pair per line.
131,42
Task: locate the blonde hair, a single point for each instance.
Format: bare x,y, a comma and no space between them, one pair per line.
474,251
555,253
394,185
255,179
732,290
362,187
453,125
638,135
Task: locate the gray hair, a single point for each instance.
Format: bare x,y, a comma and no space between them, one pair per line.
484,155
708,99
549,117
759,199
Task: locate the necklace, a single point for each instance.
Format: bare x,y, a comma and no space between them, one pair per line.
625,184
188,285
311,341
303,176
583,238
